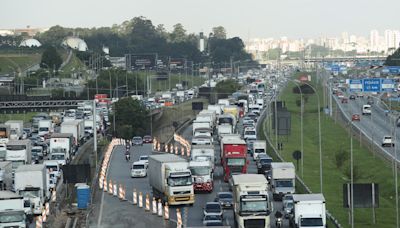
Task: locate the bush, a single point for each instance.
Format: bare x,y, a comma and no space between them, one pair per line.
340,158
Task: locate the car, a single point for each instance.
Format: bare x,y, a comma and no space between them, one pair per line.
340,95
253,116
352,97
144,158
147,139
137,141
355,117
370,101
212,220
37,152
288,208
139,169
248,120
225,199
263,164
344,101
249,143
287,198
213,208
387,141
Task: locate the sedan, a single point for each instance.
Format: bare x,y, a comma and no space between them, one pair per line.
212,220
213,208
225,199
355,117
137,141
147,139
352,97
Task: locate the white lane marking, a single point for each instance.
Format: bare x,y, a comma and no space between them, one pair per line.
102,195
227,221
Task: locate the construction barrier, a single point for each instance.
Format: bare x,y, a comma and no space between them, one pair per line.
188,152
47,207
182,151
166,211
105,185
159,208
44,216
147,202
110,187
121,192
140,199
166,148
38,222
134,196
53,196
154,206
178,218
171,148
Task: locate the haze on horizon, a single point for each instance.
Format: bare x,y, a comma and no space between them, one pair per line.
247,19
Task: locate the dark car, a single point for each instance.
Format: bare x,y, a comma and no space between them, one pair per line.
225,199
263,164
147,139
352,97
137,141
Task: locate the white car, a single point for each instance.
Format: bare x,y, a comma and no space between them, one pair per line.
250,133
145,159
139,169
387,141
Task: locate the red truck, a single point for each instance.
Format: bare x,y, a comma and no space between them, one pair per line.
233,155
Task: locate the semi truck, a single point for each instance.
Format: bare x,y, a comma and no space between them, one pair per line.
31,183
16,128
252,207
61,147
12,212
202,172
76,128
19,152
4,133
283,177
309,211
233,155
170,179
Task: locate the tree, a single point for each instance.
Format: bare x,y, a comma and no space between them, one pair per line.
131,118
225,88
219,32
178,35
51,58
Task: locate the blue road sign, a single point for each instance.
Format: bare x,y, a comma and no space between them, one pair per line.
372,85
356,85
387,85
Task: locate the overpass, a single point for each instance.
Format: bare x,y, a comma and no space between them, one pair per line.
345,59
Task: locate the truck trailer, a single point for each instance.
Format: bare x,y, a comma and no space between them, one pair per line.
283,177
233,155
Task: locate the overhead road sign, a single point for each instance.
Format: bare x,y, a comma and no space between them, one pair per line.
372,85
387,85
356,85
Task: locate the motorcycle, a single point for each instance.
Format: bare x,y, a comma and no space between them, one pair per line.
127,157
278,222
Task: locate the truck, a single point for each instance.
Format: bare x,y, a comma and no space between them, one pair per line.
89,128
200,124
12,213
45,127
203,152
217,108
206,118
16,128
223,102
31,183
366,109
170,179
76,128
232,109
202,173
260,102
309,211
224,129
227,119
252,206
259,147
233,155
4,133
19,152
6,175
61,147
283,177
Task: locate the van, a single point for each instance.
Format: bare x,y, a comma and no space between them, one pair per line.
139,169
366,109
250,133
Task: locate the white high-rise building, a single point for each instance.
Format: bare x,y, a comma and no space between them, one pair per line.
374,40
396,38
389,39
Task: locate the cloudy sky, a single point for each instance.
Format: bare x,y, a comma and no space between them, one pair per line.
245,18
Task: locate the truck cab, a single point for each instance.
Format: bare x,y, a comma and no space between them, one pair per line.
309,211
202,175
12,212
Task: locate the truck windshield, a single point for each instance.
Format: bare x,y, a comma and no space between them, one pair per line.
200,171
311,222
284,183
250,133
180,181
16,147
257,151
236,161
57,157
225,120
29,193
43,129
9,217
254,206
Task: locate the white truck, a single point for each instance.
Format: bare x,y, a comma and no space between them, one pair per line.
227,119
223,102
252,207
76,128
259,147
61,147
19,152
200,124
203,152
366,109
31,183
206,118
171,179
45,127
16,128
217,108
202,172
224,129
12,213
89,129
309,211
283,177
260,102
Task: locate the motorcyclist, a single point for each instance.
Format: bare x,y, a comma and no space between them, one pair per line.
278,218
127,155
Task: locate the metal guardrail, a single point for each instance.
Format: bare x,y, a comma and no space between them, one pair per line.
307,189
4,105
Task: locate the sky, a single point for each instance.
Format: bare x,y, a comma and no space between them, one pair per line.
245,18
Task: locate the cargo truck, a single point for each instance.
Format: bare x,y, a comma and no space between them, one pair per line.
16,128
217,108
76,128
45,127
233,155
6,178
203,152
170,179
202,174
283,177
234,110
252,207
200,124
259,147
224,129
12,212
4,133
227,119
31,183
61,147
309,211
19,152
89,128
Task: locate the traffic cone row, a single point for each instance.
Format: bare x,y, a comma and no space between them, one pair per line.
106,161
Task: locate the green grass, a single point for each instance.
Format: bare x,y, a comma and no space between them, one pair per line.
27,117
163,85
334,139
16,62
74,65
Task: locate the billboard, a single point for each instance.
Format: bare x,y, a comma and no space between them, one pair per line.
197,106
365,195
141,61
76,173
